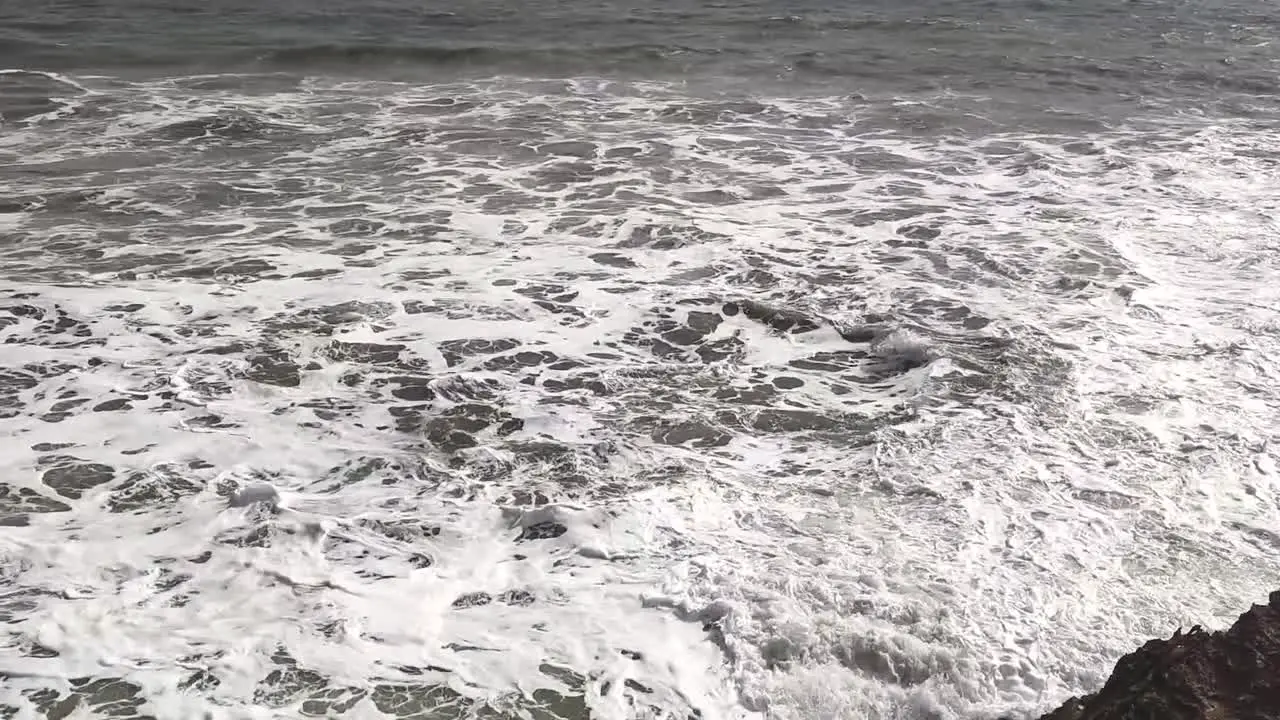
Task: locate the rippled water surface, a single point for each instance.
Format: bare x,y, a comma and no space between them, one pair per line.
563,362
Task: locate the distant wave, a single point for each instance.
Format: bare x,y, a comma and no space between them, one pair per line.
880,65
21,51
364,56
481,55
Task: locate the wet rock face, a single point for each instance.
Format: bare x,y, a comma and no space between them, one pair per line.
1228,675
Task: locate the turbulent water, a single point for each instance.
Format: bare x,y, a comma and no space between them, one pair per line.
562,360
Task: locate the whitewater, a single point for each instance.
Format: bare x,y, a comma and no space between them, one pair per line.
590,398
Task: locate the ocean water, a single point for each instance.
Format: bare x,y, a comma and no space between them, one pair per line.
569,360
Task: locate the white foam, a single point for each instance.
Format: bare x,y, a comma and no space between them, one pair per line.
1054,446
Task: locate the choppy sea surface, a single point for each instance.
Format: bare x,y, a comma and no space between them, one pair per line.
555,361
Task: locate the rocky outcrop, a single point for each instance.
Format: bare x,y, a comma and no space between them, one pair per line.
1199,675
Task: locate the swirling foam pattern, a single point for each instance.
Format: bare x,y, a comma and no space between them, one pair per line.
570,399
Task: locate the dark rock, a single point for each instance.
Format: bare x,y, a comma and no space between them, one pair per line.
1198,675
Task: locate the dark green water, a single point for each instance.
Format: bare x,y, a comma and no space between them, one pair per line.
1072,55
